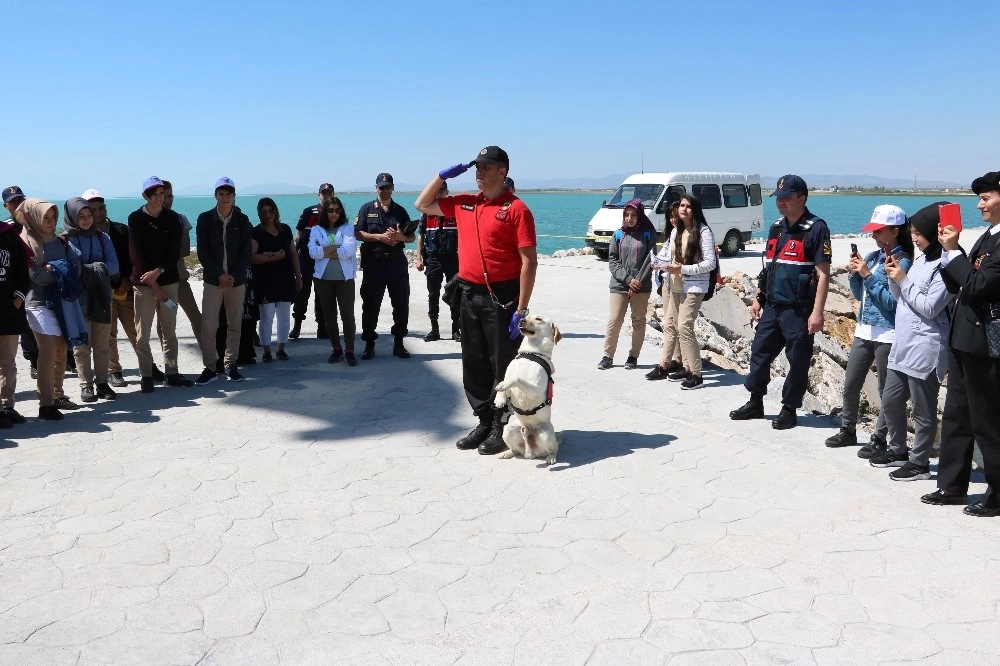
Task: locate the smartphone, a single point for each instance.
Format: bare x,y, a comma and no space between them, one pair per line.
854,249
950,213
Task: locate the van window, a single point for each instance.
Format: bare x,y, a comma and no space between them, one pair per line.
755,198
676,192
734,196
649,194
708,195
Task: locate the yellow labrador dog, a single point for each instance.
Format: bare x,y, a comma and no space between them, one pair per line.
526,390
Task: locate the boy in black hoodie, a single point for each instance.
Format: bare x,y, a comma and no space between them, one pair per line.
14,284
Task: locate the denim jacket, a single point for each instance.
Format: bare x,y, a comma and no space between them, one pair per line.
878,308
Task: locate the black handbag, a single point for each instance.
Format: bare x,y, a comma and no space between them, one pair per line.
449,294
993,336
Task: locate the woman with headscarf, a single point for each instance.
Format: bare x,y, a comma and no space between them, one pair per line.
54,318
629,255
687,259
100,267
918,359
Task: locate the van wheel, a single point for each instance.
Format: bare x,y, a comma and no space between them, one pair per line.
731,246
601,254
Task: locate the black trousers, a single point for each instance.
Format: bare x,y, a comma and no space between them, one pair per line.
300,306
971,415
438,270
782,327
487,349
388,272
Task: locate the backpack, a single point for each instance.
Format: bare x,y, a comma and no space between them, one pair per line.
619,234
713,277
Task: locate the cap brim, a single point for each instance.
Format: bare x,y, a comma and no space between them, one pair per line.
485,160
874,226
783,194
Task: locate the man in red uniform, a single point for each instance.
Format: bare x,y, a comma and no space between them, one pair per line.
497,261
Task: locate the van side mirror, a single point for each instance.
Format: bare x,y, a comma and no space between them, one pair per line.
604,203
660,207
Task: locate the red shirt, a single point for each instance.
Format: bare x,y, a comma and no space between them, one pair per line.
500,227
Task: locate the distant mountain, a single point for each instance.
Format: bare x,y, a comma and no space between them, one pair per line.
825,181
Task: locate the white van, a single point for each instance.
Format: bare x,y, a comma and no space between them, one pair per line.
731,202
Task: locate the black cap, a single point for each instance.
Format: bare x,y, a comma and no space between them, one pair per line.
492,155
12,192
324,187
789,185
508,182
989,182
383,180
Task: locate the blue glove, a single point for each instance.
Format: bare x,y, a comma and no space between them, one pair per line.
452,171
515,323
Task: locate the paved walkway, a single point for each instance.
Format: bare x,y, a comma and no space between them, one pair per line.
320,514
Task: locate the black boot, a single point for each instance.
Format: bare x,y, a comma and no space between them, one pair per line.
494,443
296,329
434,334
456,333
398,349
478,434
369,352
754,409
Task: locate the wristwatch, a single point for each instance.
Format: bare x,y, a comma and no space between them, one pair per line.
523,312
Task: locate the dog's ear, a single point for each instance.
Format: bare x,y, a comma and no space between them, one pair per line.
556,335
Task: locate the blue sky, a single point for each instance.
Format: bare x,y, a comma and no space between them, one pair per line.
303,92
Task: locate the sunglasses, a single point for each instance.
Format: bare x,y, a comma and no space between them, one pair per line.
266,211
336,210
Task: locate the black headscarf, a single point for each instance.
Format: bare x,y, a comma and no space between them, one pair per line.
926,221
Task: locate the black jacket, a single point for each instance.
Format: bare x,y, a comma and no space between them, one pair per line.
14,279
238,247
978,277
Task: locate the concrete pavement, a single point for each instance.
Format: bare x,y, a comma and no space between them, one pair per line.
320,514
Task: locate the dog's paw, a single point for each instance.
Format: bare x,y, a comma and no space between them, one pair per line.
551,460
506,455
500,401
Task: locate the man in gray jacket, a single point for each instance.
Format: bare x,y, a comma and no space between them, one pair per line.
224,249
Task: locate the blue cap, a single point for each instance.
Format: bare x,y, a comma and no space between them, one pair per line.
508,183
225,182
151,182
12,192
383,180
789,185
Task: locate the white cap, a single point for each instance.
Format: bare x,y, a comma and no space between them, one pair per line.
90,195
885,216
225,181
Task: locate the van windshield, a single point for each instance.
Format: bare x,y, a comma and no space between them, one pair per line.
649,194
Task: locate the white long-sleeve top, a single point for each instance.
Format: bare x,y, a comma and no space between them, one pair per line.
347,248
694,277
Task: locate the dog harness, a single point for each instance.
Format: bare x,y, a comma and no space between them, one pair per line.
540,360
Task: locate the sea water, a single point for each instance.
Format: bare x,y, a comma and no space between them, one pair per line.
561,217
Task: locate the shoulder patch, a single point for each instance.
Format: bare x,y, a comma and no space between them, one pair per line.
468,207
373,215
